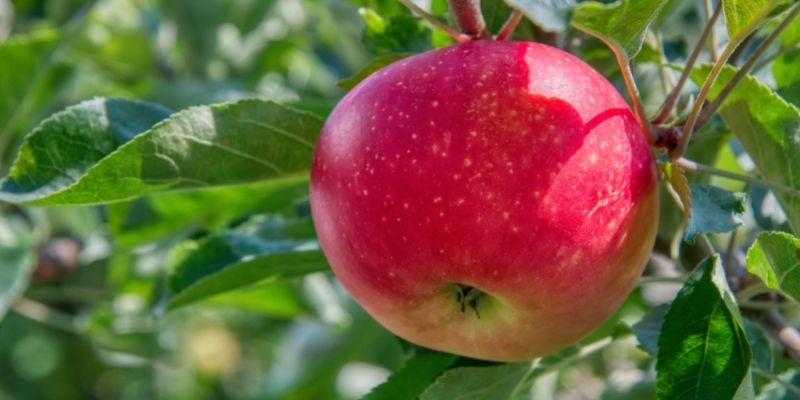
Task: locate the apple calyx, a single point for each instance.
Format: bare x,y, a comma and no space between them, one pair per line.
468,296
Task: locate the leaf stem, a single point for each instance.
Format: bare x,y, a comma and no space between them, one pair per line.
456,35
669,103
712,107
693,166
469,17
689,126
508,27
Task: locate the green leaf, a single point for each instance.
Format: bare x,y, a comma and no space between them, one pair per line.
775,258
162,214
100,151
416,374
16,253
376,64
551,16
714,210
622,25
786,67
497,382
769,130
264,248
763,353
648,329
742,16
703,352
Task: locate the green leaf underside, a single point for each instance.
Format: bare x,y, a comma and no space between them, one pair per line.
263,248
768,128
248,272
16,253
714,210
375,65
763,353
648,329
621,25
775,258
161,214
413,377
703,352
498,382
105,150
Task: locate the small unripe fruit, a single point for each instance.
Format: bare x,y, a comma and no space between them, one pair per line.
491,199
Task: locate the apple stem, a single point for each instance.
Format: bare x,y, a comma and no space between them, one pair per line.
508,27
469,17
456,35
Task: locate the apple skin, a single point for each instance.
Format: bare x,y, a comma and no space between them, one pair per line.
513,168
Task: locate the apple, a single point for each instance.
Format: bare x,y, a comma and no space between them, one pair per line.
492,199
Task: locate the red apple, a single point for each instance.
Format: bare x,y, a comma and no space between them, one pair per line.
491,199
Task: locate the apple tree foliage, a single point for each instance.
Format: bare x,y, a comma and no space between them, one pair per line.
156,238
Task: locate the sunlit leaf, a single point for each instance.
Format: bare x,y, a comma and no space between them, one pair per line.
769,130
741,15
621,25
703,350
416,374
104,150
498,382
775,258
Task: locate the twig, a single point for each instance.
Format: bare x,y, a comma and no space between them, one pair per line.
508,27
456,35
669,103
469,18
693,166
712,107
